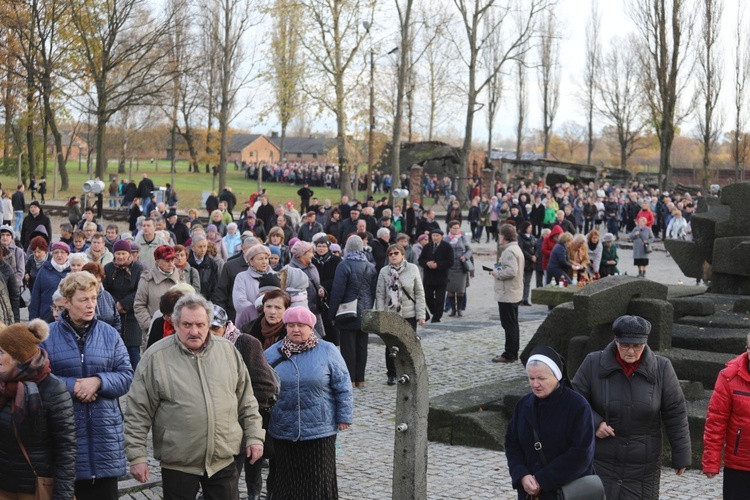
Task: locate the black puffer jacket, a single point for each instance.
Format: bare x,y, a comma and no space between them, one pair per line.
49,439
123,288
528,247
630,462
208,270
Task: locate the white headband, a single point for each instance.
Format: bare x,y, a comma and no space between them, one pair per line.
547,361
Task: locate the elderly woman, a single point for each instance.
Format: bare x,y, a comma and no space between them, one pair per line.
399,290
678,226
181,262
608,265
90,357
558,418
106,308
642,238
36,417
355,280
246,284
302,256
77,261
633,392
47,280
212,234
39,249
578,255
594,247
457,274
315,403
217,220
207,268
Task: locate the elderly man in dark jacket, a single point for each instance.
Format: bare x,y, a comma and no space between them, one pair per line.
632,392
436,258
121,277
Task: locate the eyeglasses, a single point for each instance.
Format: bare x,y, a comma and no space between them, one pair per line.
55,309
631,347
394,253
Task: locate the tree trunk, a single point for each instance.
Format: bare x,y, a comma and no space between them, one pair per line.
57,136
8,128
403,68
667,137
30,124
101,153
188,136
590,148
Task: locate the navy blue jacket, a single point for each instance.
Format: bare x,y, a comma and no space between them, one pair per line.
46,283
565,425
101,451
558,263
353,276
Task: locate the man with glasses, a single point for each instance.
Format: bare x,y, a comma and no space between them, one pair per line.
728,414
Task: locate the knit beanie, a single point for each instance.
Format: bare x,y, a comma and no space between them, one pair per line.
300,248
353,244
121,246
21,342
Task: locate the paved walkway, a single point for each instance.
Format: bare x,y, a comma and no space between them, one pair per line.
458,353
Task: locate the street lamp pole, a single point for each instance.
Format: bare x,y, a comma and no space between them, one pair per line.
371,139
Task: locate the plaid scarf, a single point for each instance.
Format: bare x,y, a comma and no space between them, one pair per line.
288,347
394,288
20,386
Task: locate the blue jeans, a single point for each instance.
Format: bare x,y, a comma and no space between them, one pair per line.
18,214
135,355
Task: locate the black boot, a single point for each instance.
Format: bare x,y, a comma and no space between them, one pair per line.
453,306
458,306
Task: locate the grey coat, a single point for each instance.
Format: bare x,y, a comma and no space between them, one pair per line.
630,462
645,235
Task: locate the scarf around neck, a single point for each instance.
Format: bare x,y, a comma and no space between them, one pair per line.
270,332
357,255
321,260
232,333
394,290
20,386
288,347
60,267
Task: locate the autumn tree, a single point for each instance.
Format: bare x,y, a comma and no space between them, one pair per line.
287,65
573,135
332,38
664,28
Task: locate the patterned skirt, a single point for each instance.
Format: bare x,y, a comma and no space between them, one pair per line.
304,470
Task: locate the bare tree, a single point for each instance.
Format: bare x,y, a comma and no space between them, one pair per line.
121,46
438,66
621,97
573,135
709,82
738,138
491,53
521,102
665,29
515,20
591,73
236,70
332,38
209,51
548,73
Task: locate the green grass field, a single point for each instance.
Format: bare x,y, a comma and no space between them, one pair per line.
188,185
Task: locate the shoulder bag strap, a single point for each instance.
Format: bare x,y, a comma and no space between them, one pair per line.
23,449
537,441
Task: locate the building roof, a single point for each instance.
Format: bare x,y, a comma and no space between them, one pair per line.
241,141
305,145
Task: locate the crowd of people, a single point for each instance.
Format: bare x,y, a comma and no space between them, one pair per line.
267,302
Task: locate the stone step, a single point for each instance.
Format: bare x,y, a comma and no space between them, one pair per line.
708,339
698,366
720,320
481,429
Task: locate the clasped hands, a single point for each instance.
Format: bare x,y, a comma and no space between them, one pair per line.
85,389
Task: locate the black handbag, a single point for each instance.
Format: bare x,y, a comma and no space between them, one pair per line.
583,488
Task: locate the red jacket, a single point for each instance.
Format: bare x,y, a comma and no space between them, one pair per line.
649,216
728,419
548,243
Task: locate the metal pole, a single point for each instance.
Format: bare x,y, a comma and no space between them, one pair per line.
20,156
370,152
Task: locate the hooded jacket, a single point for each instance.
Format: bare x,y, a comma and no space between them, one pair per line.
31,224
548,243
728,419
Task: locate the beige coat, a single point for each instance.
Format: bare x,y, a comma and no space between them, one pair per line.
152,286
509,277
200,407
411,281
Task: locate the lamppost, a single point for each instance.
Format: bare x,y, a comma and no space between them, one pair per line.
371,138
